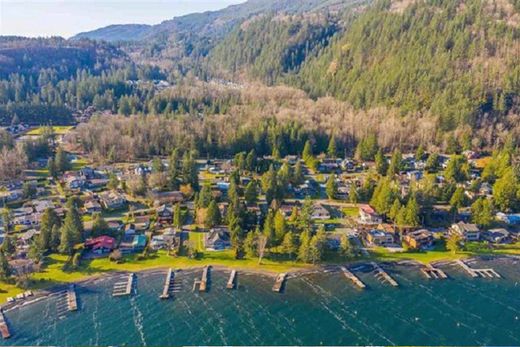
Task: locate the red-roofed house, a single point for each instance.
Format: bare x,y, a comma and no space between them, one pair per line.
101,244
367,215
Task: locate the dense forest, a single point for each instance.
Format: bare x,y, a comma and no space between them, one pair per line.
432,73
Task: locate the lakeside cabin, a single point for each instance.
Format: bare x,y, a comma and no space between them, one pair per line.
368,216
468,232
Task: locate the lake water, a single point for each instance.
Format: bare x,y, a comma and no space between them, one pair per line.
315,309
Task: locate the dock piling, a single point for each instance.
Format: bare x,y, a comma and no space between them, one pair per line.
278,284
383,275
4,329
232,278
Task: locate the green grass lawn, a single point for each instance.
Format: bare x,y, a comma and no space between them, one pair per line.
54,274
350,211
58,130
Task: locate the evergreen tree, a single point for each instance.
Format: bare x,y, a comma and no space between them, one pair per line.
177,217
251,161
482,212
304,251
48,221
345,246
251,193
71,231
457,169
51,167
8,247
432,163
331,149
5,268
250,245
173,171
269,230
505,191
412,213
453,244
62,161
213,217
384,196
99,225
458,199
396,163
289,244
331,187
419,153
298,177
381,163
205,196
353,194
280,227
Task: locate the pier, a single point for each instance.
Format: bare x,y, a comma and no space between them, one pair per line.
168,284
232,279
433,273
353,278
278,284
4,329
124,288
383,275
483,273
203,284
72,300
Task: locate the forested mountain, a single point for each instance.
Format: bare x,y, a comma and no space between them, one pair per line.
270,46
457,60
115,33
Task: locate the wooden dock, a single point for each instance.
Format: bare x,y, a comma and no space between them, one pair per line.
4,329
278,284
232,279
124,288
433,273
475,273
383,275
203,286
353,277
168,284
72,300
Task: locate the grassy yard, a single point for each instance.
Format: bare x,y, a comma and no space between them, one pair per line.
54,274
58,130
350,211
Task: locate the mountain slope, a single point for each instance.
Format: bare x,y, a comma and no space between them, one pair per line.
457,60
115,33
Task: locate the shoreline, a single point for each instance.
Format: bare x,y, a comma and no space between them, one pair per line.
40,294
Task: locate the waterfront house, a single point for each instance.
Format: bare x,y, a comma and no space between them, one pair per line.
217,239
497,236
101,245
367,215
379,238
419,239
139,242
469,232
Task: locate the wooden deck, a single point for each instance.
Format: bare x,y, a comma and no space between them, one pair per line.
168,284
124,288
383,276
353,277
475,273
433,273
4,329
279,282
232,280
72,300
204,279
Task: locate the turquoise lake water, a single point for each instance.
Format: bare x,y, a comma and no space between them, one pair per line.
315,309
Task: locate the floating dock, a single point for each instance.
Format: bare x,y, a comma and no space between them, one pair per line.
232,279
353,277
4,329
484,273
383,275
278,284
433,273
203,285
72,300
124,288
168,284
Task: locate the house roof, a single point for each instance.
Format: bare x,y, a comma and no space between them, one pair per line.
101,242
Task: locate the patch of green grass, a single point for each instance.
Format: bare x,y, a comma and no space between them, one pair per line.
78,164
350,211
58,130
